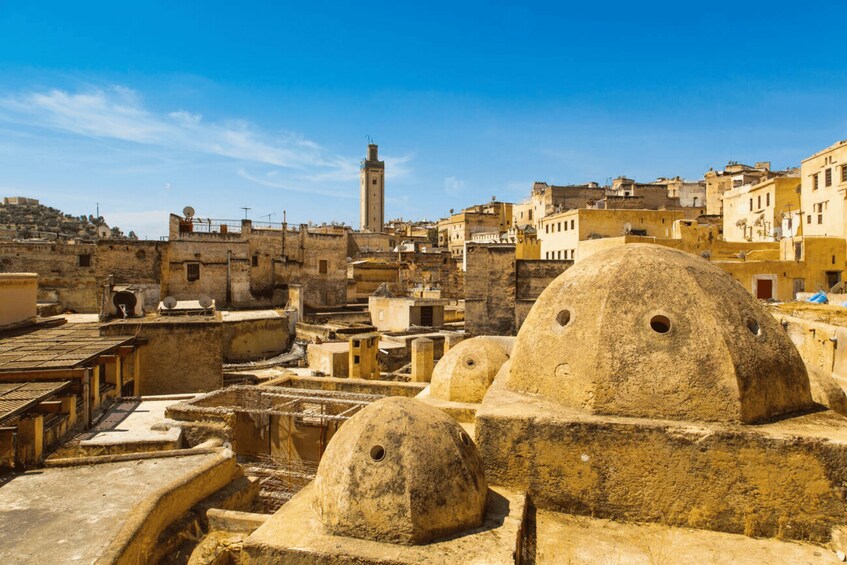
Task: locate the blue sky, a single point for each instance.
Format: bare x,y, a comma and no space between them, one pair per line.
147,108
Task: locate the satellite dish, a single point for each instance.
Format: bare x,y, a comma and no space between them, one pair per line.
169,302
627,228
205,301
103,231
188,212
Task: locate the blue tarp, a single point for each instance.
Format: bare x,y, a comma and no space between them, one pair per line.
818,298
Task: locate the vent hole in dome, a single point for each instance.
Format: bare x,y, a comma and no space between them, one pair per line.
753,326
470,362
564,318
465,439
377,453
660,324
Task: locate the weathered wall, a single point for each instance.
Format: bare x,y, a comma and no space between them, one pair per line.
182,354
423,269
18,293
252,339
490,290
531,278
64,278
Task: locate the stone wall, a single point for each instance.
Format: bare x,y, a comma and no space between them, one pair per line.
183,354
500,290
531,278
72,274
490,290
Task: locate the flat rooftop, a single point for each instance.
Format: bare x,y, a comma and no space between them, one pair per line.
72,514
63,347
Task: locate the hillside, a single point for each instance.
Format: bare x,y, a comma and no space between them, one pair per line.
26,218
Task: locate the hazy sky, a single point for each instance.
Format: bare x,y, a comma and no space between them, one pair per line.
148,107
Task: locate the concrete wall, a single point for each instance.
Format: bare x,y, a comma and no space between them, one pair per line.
18,299
253,339
182,354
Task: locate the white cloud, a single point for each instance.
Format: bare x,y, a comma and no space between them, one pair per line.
294,187
118,113
453,186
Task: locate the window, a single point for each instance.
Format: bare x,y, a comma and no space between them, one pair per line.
566,226
827,177
759,202
322,266
85,260
373,181
560,226
809,219
255,260
751,204
572,224
843,173
192,271
768,199
547,228
560,253
355,359
820,218
815,182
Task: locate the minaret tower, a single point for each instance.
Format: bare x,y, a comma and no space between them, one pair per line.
372,195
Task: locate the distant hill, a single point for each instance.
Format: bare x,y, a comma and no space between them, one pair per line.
25,218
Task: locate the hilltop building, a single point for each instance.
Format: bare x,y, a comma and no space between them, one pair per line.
824,183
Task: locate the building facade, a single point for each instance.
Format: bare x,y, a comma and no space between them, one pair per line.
823,188
758,212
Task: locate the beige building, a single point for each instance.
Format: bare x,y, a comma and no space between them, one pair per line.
549,199
758,212
824,182
561,233
460,228
372,191
734,175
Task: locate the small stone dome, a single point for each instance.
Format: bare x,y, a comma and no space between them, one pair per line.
648,331
467,370
400,471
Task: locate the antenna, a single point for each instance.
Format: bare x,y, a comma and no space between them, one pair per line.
246,209
188,212
268,216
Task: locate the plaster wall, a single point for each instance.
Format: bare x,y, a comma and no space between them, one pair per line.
18,299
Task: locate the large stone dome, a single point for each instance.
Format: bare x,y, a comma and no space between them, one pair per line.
649,331
400,471
467,370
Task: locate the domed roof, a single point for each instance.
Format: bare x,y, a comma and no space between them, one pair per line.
648,331
466,371
400,471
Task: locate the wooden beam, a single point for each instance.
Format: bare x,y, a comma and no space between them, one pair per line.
41,375
105,359
125,350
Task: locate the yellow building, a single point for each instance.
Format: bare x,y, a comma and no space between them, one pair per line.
824,182
757,212
768,270
460,228
734,175
560,234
